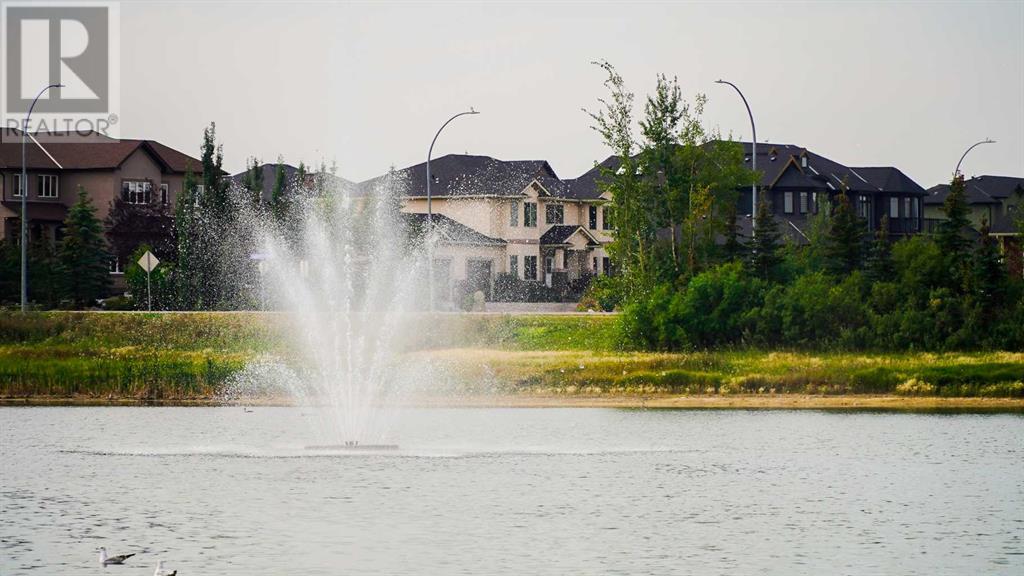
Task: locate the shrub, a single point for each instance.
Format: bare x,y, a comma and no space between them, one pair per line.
915,387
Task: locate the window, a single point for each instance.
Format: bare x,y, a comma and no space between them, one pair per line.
530,267
549,265
513,213
513,266
48,186
814,202
115,266
787,198
863,206
164,194
593,217
136,191
530,214
18,188
906,207
609,218
606,265
554,213
894,207
915,208
595,270
803,202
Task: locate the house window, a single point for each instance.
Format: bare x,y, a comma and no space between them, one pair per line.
115,266
814,202
863,206
915,208
595,270
549,265
906,207
136,191
530,214
164,194
608,221
554,213
787,200
513,214
48,186
803,202
606,265
593,218
894,207
513,266
529,267
18,188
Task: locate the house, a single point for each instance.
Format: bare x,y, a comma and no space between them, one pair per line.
795,180
139,171
529,224
268,173
995,201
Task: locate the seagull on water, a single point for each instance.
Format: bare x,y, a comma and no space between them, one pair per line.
108,560
160,570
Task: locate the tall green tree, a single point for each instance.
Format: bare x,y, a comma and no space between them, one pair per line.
277,193
951,237
214,198
845,244
989,274
879,265
83,253
765,245
186,279
253,181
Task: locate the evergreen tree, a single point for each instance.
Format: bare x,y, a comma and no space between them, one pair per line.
277,195
879,265
764,246
953,243
253,181
83,254
989,274
733,248
845,242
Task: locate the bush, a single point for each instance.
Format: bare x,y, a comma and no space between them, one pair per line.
915,387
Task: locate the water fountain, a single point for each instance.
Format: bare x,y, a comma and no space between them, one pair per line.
347,280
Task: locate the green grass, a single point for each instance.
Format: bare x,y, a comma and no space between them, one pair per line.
192,355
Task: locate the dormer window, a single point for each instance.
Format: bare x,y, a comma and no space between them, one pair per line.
803,160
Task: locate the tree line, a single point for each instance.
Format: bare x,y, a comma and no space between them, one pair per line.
688,280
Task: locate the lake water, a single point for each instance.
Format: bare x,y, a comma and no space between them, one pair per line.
219,491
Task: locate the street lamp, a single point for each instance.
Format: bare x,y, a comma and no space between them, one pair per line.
24,201
973,146
753,155
430,211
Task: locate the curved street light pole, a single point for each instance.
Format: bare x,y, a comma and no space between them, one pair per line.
24,200
753,156
973,146
430,210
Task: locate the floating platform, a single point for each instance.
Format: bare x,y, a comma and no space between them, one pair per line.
355,447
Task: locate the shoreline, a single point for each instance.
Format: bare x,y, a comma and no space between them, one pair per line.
662,401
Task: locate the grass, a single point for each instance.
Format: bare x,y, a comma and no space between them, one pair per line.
192,355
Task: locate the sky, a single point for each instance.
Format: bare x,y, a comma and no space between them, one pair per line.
366,85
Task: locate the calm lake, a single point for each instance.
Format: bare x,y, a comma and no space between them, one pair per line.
220,491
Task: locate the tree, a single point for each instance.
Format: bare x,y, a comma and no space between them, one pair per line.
214,198
879,263
186,277
764,246
989,275
130,225
845,242
277,194
953,243
83,255
253,181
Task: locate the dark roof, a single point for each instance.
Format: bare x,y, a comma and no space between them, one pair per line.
466,175
560,234
450,231
336,183
1004,224
979,190
889,179
781,166
92,152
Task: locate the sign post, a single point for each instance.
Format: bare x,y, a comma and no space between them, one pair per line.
148,262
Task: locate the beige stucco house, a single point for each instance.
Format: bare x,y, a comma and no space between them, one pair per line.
528,223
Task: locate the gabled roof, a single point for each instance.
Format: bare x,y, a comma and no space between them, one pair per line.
585,187
979,190
456,175
561,233
889,179
336,183
449,231
92,152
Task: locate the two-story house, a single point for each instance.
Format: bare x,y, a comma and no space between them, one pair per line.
528,222
139,171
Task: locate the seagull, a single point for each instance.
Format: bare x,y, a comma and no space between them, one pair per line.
160,570
108,560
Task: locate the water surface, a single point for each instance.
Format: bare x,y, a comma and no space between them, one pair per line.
513,491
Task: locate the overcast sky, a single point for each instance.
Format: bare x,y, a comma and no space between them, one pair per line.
367,85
